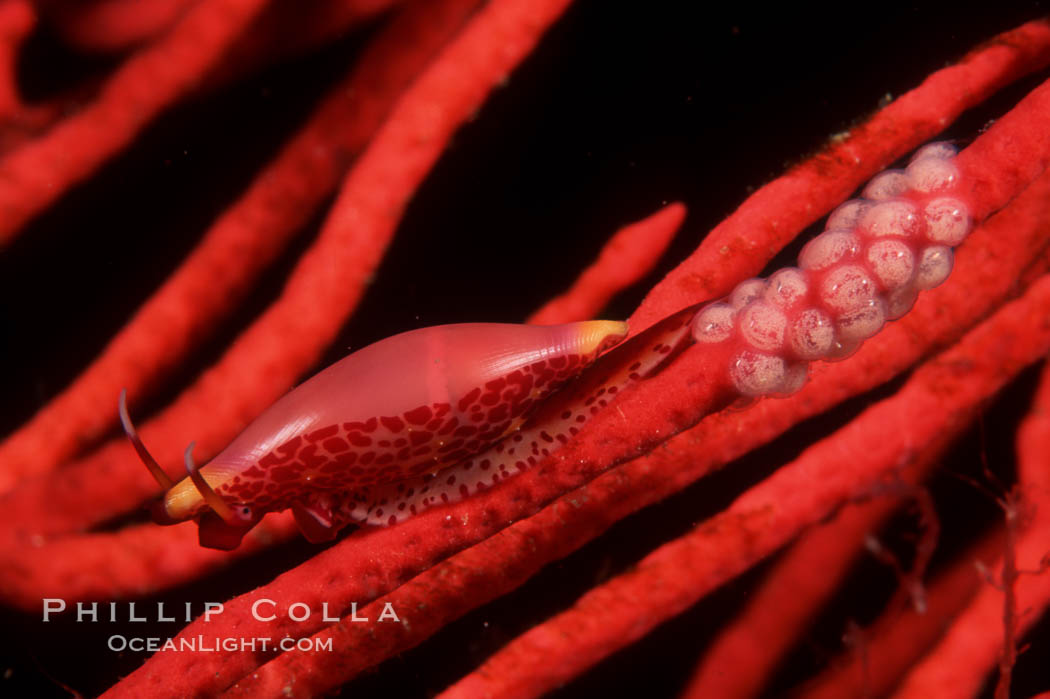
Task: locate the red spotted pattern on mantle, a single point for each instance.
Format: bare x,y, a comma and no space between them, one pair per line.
397,447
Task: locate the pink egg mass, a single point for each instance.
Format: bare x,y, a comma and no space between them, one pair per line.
864,270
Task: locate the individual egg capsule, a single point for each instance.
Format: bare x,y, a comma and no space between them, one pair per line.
847,214
714,323
896,218
811,334
947,221
937,149
935,264
786,288
892,262
794,379
900,301
757,373
847,288
861,323
762,326
828,249
746,292
887,185
842,349
929,175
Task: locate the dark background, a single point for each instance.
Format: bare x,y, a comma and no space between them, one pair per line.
625,106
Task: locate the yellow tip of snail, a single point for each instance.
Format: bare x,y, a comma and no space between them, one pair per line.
599,335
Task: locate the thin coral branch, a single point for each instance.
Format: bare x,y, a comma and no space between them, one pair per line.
910,578
986,633
628,256
17,19
283,31
238,247
20,121
900,637
140,559
792,593
37,173
113,25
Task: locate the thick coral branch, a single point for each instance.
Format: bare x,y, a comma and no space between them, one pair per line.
138,560
746,241
432,536
939,396
583,514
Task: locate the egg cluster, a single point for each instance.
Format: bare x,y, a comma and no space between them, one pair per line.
867,267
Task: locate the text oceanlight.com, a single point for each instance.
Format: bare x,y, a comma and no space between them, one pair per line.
205,644
262,610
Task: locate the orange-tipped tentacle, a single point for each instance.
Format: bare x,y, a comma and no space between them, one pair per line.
133,437
210,496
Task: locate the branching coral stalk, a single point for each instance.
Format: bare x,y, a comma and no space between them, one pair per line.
970,650
780,610
466,581
22,514
463,583
41,521
418,547
1015,52
900,637
237,247
326,284
764,518
35,175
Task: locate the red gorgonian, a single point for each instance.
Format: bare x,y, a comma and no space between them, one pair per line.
259,173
